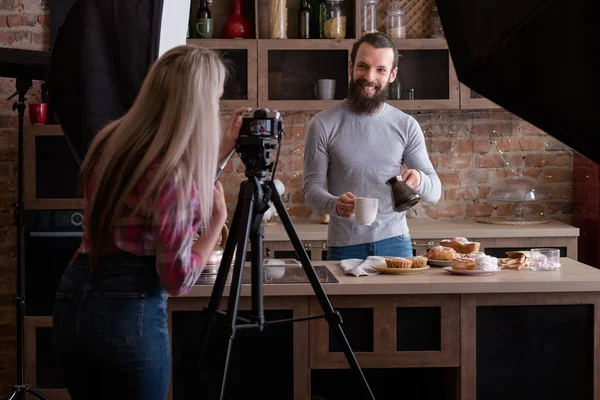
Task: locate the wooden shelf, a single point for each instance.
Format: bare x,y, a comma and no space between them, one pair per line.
468,100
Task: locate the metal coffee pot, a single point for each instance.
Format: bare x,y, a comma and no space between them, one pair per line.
214,260
403,196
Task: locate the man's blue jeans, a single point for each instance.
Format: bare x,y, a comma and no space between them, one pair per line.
397,246
110,330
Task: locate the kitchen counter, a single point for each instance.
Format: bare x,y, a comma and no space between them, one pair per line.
456,336
494,239
573,276
421,229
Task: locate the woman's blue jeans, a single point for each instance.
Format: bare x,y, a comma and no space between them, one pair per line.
110,330
397,246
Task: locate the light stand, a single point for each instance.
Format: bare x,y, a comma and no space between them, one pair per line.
246,226
25,66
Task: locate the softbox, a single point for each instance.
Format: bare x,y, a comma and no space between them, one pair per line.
100,57
535,58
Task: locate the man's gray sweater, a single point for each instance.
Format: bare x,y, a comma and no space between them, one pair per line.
348,152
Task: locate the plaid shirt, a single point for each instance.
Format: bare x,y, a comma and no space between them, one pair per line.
153,232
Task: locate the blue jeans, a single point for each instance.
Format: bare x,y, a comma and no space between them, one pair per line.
110,330
397,246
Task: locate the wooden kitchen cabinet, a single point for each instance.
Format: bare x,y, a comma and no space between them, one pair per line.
389,332
240,87
284,71
471,100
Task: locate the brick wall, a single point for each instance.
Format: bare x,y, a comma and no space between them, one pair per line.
470,151
24,24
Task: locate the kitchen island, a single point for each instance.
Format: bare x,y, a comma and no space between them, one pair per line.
514,334
494,239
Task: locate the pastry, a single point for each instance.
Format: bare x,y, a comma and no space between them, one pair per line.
419,262
461,245
398,262
440,253
463,263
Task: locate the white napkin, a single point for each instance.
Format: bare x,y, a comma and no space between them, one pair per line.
360,267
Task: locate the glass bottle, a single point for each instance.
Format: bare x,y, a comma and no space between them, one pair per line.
204,24
368,17
395,24
395,90
317,18
237,26
435,23
304,20
278,19
335,20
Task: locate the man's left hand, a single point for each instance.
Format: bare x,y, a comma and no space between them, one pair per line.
412,178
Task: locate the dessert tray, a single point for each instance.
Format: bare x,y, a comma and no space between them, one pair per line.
382,267
470,271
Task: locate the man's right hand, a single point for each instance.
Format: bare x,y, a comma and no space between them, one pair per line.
345,205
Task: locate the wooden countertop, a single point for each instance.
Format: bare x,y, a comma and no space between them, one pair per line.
573,276
437,229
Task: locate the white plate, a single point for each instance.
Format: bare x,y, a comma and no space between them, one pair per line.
382,267
469,271
439,263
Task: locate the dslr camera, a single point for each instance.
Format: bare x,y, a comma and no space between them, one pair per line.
260,134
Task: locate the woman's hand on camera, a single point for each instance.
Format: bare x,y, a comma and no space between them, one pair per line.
232,132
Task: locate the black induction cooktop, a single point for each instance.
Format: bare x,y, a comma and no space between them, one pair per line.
277,275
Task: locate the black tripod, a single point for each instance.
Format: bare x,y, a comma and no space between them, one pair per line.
253,199
19,389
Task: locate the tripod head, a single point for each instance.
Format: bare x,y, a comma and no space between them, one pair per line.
260,134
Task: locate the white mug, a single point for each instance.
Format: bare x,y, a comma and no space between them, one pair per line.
365,209
325,89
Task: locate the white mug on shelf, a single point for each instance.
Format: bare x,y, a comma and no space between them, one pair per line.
325,89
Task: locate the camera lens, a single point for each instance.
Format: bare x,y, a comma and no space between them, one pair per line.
260,113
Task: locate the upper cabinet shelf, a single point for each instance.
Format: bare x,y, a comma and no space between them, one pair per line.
283,73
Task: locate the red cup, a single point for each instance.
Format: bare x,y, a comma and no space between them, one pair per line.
38,112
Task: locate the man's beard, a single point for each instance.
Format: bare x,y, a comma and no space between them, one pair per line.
362,104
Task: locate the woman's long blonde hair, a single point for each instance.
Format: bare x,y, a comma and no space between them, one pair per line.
175,121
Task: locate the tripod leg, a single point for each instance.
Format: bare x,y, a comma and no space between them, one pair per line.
258,314
217,292
333,317
235,289
35,393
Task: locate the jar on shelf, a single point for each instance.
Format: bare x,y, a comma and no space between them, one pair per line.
278,19
368,17
435,24
395,23
335,20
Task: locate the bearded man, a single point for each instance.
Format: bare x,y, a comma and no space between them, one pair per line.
354,147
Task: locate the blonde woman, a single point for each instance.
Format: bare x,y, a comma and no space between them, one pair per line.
149,186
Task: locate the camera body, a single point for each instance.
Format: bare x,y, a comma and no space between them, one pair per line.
259,135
